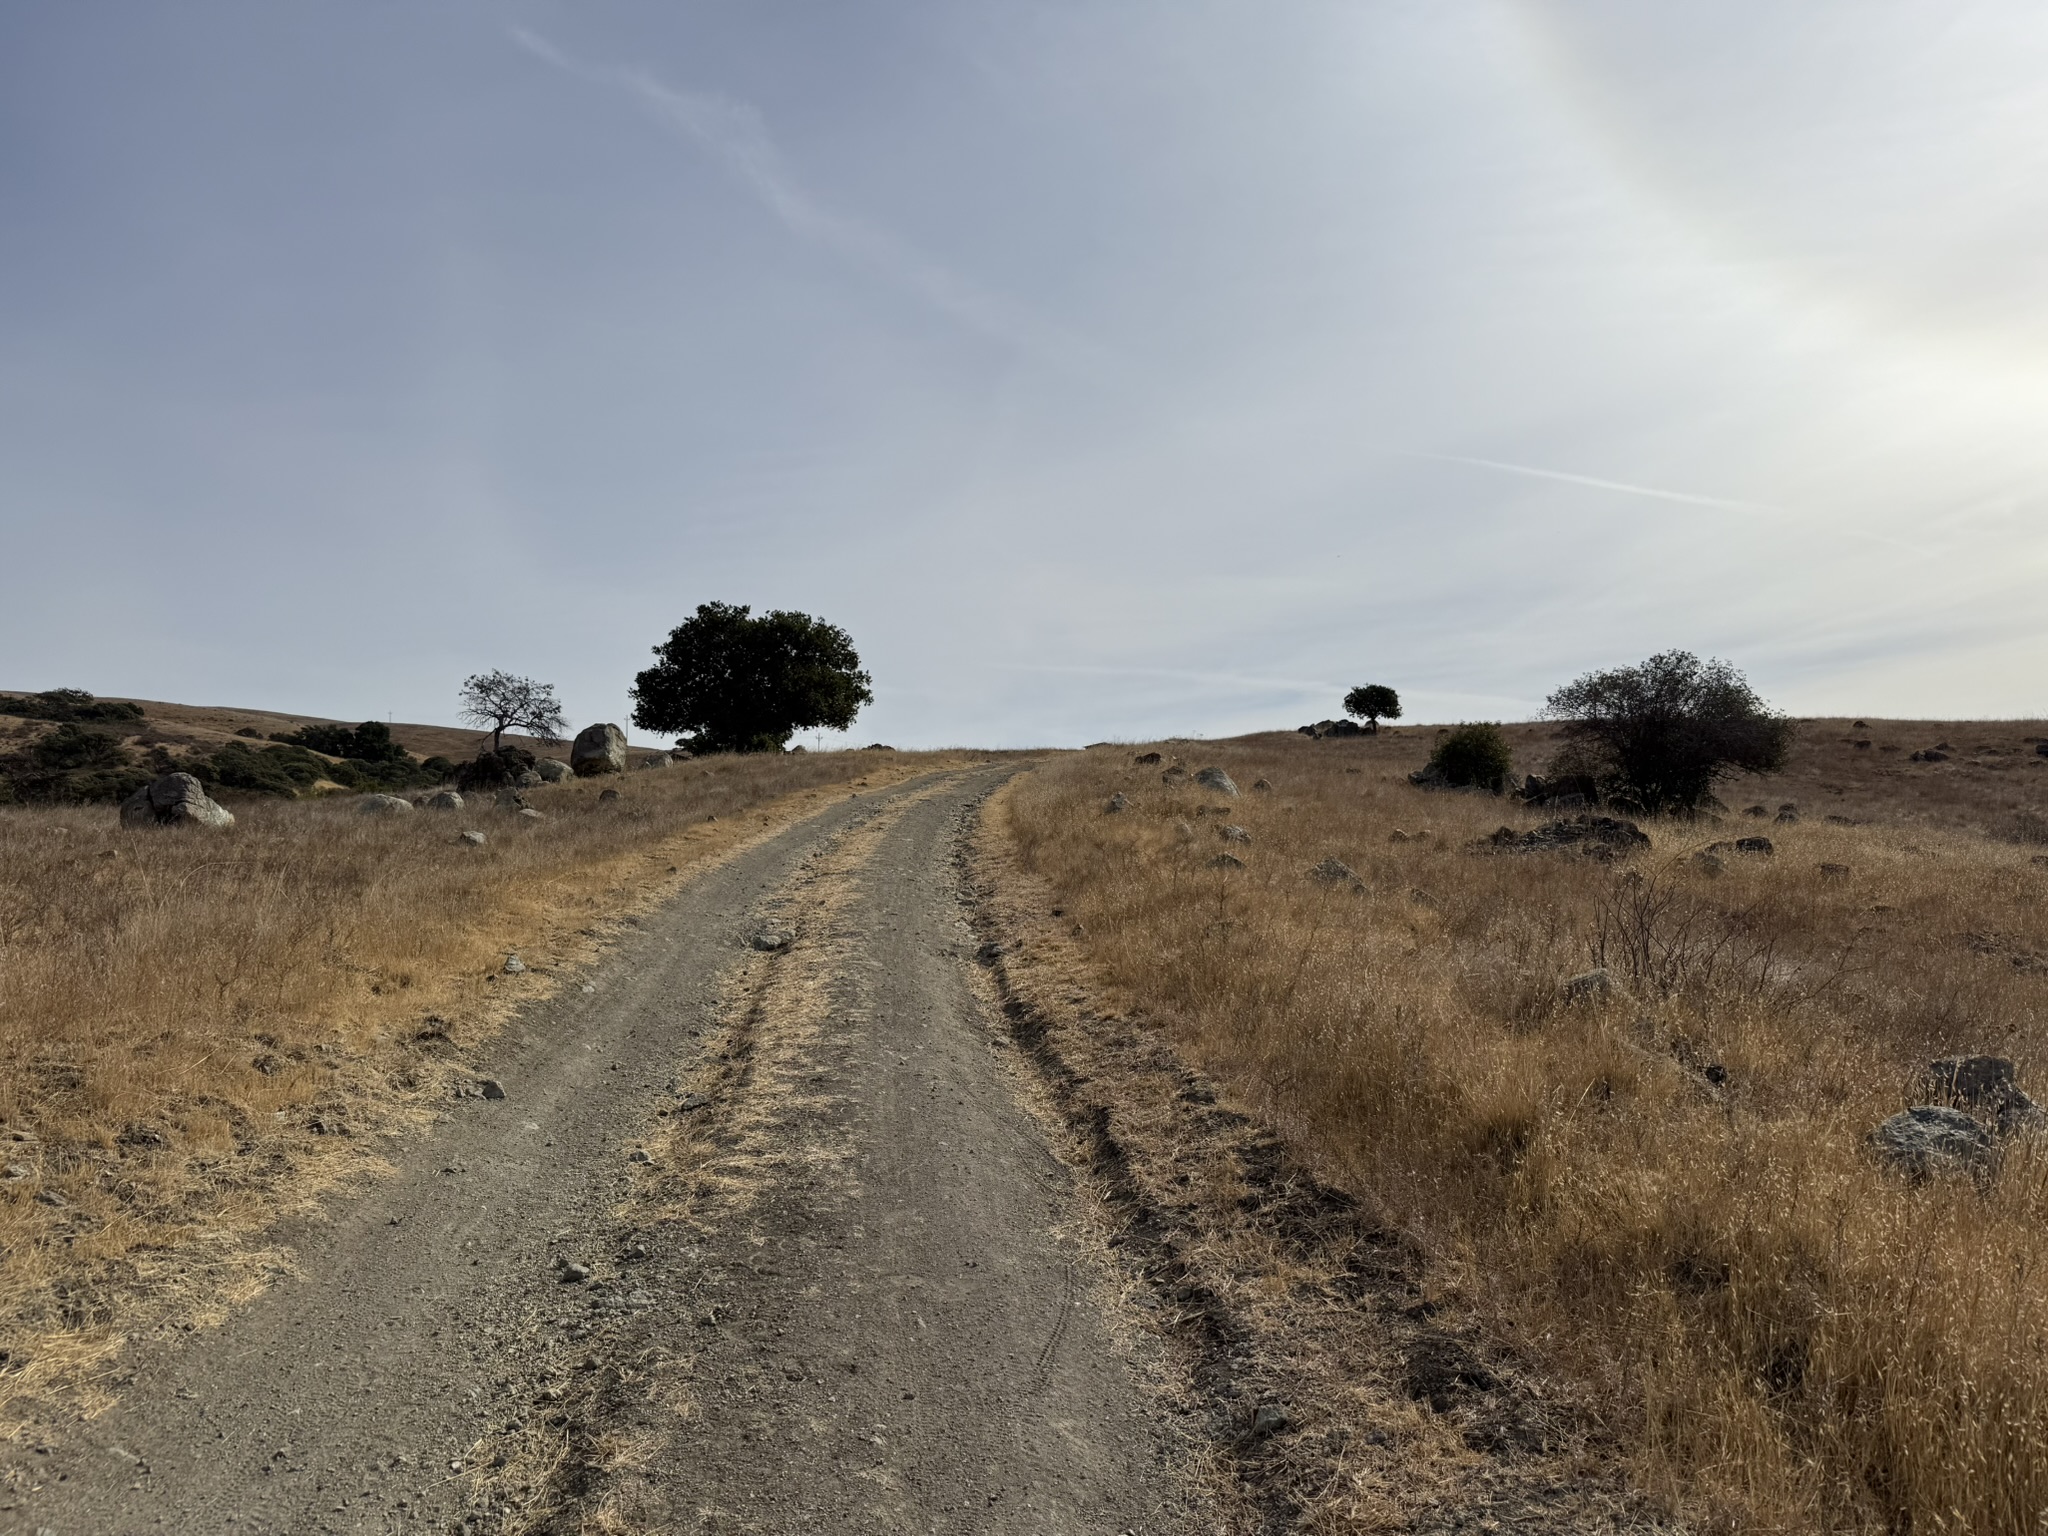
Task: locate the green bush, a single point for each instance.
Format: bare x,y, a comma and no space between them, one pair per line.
67,704
1474,755
73,764
369,742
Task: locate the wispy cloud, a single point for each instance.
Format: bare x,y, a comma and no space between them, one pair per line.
735,136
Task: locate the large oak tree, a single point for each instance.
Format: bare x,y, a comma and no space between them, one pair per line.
731,682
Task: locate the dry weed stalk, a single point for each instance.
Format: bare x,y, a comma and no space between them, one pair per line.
199,1032
1666,1194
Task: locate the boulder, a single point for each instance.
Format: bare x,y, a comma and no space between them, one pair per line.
1429,776
1599,837
510,800
878,746
1118,802
598,749
1590,987
1234,834
1226,861
1762,847
1147,759
1933,1138
553,770
610,794
444,800
1218,780
1174,775
1986,1084
383,805
474,838
659,760
1786,816
1332,871
175,800
529,778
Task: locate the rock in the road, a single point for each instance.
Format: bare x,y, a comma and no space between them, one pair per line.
598,749
383,805
175,800
570,1272
771,941
1216,779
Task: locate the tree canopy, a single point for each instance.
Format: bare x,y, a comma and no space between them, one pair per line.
501,702
1658,735
1373,702
731,682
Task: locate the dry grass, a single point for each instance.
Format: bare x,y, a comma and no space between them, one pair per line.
200,1032
1786,1336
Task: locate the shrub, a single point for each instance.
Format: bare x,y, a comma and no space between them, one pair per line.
369,742
493,770
68,704
74,764
1657,736
1474,755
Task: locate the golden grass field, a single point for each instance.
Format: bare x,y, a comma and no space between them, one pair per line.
1779,1333
200,1032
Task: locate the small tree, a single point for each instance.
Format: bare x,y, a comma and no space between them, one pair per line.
736,683
501,702
1372,703
1473,756
1660,734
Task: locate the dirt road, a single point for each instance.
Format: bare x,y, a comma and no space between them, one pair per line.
754,1242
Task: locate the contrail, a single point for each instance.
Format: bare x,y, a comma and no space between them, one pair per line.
1657,493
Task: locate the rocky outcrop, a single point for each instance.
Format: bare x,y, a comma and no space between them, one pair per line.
598,749
1599,837
175,800
1322,730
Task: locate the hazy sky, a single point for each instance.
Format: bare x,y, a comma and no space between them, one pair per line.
1104,368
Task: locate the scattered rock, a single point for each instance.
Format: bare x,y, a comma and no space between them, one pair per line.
1398,836
473,837
569,1272
1834,871
1118,802
1430,776
1599,837
1332,871
514,966
1984,1083
1323,730
1786,816
490,1088
658,760
510,800
598,749
1709,864
1789,808
1268,1419
770,942
50,1197
1147,759
1174,775
531,814
175,800
610,794
444,800
690,1101
878,746
1931,755
529,778
1187,834
1762,847
383,805
1218,780
1226,861
553,770
1264,786
1590,987
1933,1138
639,1155
1233,834
1756,810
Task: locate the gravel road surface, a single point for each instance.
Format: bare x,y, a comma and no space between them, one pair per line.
757,1240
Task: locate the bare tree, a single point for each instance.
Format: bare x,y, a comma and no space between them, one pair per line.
503,702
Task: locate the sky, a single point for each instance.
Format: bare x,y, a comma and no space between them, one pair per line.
1107,368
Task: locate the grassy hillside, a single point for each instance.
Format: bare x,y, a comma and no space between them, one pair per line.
1663,1191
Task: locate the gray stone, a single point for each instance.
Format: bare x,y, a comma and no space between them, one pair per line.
1226,861
1332,871
1709,864
658,760
770,942
1264,786
1268,1419
569,1272
1118,802
444,800
1933,1138
474,838
1834,871
598,749
529,778
553,770
531,814
383,805
610,794
1147,759
175,800
1590,987
1234,834
1786,816
1984,1083
510,800
490,1088
514,965
1218,780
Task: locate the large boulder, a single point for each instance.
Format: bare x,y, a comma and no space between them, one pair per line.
1933,1138
1218,780
175,800
553,770
598,749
